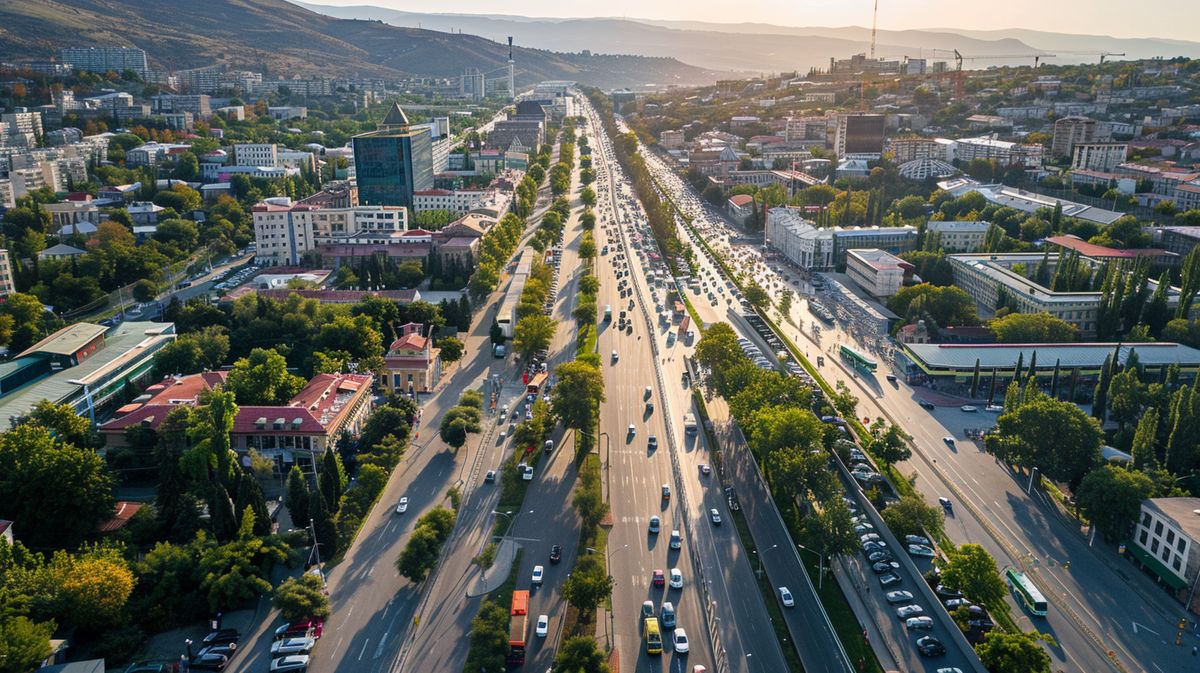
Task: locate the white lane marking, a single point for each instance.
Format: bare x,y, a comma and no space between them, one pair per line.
364,649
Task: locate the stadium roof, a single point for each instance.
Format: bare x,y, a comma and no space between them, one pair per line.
1082,355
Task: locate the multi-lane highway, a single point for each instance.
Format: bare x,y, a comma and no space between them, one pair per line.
719,592
1096,598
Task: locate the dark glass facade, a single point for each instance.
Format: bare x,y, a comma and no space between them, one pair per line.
390,166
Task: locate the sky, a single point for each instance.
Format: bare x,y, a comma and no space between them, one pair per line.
1178,19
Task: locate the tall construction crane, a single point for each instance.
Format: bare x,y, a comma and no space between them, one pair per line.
959,58
874,18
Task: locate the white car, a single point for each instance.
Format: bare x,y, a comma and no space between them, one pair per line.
295,662
714,516
786,596
920,550
681,640
543,626
538,573
676,578
969,409
528,475
287,646
403,506
632,430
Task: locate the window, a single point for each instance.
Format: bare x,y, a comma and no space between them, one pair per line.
1158,528
1175,564
1170,537
1166,553
1154,546
1181,544
1142,539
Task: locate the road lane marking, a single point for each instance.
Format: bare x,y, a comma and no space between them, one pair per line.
364,649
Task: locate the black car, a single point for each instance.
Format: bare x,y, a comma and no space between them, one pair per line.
881,555
926,405
885,567
221,637
225,650
946,593
929,646
556,553
209,662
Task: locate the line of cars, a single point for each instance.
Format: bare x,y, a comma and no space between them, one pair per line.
290,649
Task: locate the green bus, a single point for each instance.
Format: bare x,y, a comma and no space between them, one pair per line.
1024,591
860,361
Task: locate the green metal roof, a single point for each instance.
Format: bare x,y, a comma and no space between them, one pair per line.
1171,579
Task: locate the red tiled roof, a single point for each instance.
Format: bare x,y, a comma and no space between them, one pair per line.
741,200
433,192
341,296
125,511
412,340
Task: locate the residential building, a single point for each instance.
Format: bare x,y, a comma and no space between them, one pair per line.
104,59
671,140
296,433
878,273
951,367
152,154
144,213
742,121
1179,240
284,230
529,110
1103,179
66,214
740,208
1099,156
61,251
913,148
958,236
393,162
859,134
800,129
413,364
8,195
256,154
85,366
21,128
7,285
824,249
791,181
1166,542
287,112
458,201
200,105
718,163
1187,196
1072,130
1003,152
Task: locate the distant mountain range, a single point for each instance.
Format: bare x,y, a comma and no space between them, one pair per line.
283,39
759,47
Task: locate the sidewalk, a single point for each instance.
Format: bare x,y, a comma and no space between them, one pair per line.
493,577
850,587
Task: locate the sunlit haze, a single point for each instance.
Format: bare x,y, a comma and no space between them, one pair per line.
1170,18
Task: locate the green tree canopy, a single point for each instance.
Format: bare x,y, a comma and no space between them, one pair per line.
263,379
1013,653
301,597
1032,328
971,570
576,397
1111,497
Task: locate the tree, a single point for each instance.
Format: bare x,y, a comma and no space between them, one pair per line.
233,573
576,397
452,349
943,306
58,491
1054,436
1111,498
1032,328
756,295
145,290
263,379
834,527
844,400
911,515
387,420
29,320
63,422
589,585
24,644
302,597
332,480
1145,439
889,443
453,431
580,654
971,570
1013,653
1125,397
297,496
489,638
532,334
91,588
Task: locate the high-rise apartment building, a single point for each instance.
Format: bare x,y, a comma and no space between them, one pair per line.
104,59
1070,131
1098,156
7,286
393,161
860,134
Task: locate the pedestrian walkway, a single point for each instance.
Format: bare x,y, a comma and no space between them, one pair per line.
848,580
493,577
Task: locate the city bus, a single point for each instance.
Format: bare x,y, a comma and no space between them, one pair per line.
860,361
654,644
518,624
1025,592
536,383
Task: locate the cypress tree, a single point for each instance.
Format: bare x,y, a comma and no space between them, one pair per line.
297,497
1143,440
992,388
1020,366
1073,384
1054,379
975,380
1100,395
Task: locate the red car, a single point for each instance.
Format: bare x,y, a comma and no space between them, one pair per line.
659,580
308,627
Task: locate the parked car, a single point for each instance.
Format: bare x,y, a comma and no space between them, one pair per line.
920,550
880,555
909,611
945,593
885,567
922,623
539,572
209,662
543,626
288,646
969,408
221,637
786,597
289,664
889,579
895,597
916,539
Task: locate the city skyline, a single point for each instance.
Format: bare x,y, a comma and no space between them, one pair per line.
1099,18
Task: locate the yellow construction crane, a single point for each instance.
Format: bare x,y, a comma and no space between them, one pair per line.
959,58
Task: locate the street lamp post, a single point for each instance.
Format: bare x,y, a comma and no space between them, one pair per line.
511,520
820,565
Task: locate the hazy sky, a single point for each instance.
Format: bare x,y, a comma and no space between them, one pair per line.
1178,19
